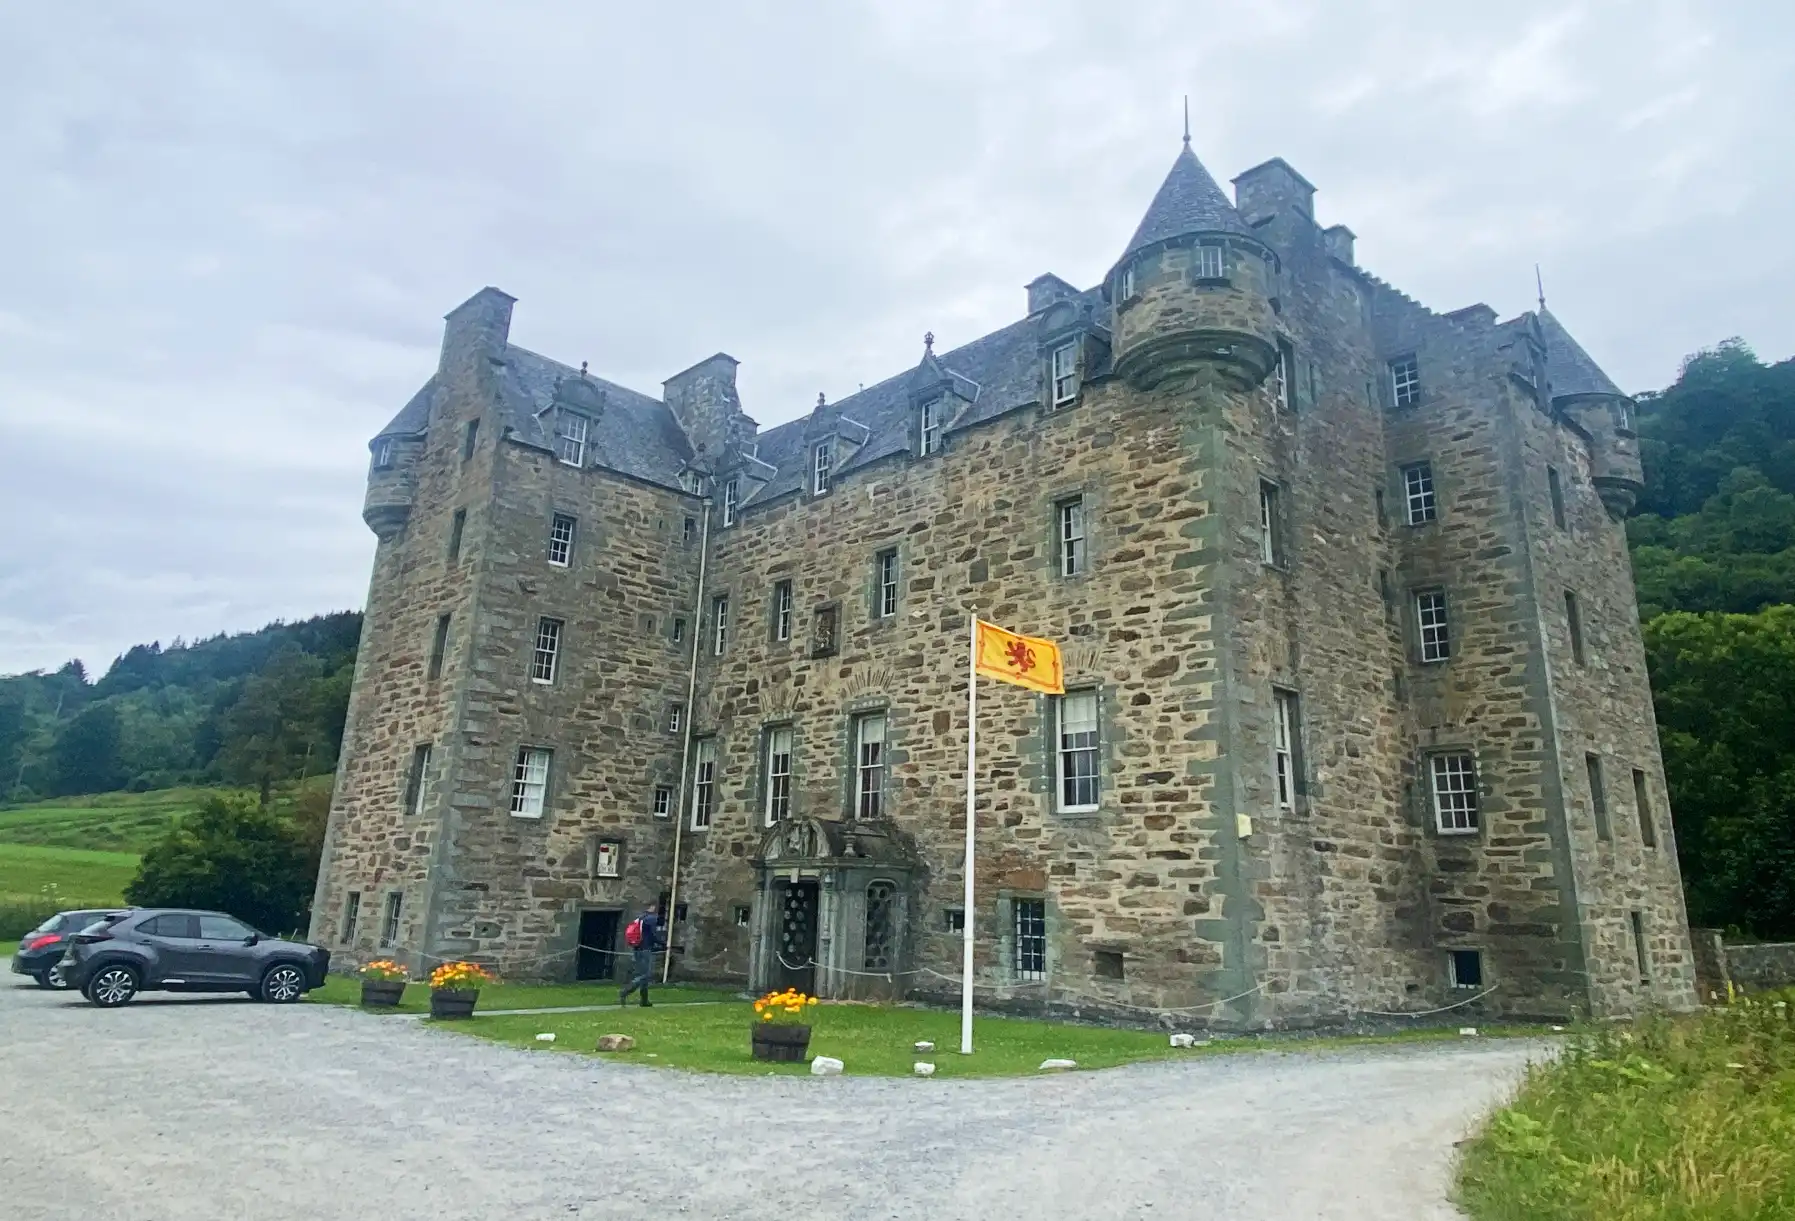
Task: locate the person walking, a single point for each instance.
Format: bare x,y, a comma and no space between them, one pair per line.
643,937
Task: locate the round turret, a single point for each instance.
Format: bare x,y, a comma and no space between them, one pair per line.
1582,392
392,484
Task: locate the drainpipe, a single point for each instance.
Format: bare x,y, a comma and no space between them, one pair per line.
685,751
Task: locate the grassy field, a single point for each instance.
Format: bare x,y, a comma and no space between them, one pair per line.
1672,1119
343,990
36,882
111,822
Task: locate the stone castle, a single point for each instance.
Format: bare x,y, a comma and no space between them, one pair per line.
1357,718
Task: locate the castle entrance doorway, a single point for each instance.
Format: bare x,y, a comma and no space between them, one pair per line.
794,940
597,958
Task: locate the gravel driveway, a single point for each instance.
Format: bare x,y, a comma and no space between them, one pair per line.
178,1108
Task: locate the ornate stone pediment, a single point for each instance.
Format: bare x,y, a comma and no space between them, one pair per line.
797,840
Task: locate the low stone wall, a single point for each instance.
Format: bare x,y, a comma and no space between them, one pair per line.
1758,968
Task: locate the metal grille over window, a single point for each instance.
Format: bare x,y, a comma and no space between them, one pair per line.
1206,262
548,651
1418,493
888,584
779,774
869,769
782,611
529,782
1405,381
1430,618
1072,540
560,540
732,500
1455,793
1078,750
570,437
1065,373
1031,938
931,427
1284,747
821,459
881,926
704,785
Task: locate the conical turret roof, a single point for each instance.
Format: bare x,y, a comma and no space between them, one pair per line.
1571,369
1189,201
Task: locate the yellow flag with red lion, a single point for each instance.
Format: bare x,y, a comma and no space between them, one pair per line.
1026,661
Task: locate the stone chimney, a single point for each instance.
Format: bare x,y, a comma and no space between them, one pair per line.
1338,239
1273,187
476,330
1046,289
703,400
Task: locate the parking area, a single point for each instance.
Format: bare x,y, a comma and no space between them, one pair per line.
191,1108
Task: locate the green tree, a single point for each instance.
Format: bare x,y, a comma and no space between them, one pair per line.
85,756
273,732
232,855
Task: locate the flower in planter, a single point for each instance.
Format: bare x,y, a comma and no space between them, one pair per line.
783,1008
384,971
459,977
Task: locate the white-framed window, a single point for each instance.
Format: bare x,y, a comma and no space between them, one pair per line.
869,765
1125,289
679,628
663,800
417,779
1286,728
529,781
1076,750
1031,938
1465,968
1065,373
1405,381
688,533
570,437
930,426
778,774
1271,525
719,623
1455,792
1419,504
1284,377
546,657
732,500
560,539
1430,623
1207,263
676,718
351,917
1073,553
743,914
1623,416
383,453
885,597
782,611
822,458
389,923
704,783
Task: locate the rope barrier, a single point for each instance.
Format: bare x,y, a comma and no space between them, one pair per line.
1428,1012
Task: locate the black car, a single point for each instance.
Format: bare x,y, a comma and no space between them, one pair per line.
162,949
40,952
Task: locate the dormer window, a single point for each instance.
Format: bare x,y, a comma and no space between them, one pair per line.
691,481
821,458
1206,263
1065,373
383,454
931,427
1125,286
732,500
1623,417
570,437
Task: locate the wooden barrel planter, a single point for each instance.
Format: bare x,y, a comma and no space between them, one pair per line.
453,1002
381,993
783,1043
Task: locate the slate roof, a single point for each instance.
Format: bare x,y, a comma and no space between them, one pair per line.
1189,201
1571,369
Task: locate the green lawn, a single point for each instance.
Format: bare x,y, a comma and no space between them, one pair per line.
36,882
114,822
346,990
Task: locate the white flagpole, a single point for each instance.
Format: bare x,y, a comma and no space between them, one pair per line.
966,921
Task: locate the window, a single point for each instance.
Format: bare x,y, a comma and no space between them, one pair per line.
719,623
704,784
885,596
1284,376
676,717
1206,263
1598,796
439,644
416,777
1286,728
1623,416
1418,493
779,774
691,481
570,437
1270,524
1107,964
1125,289
732,500
782,611
1405,381
954,919
1382,514
679,628
547,652
823,632
529,781
171,925
663,800
1073,551
1573,621
1637,919
1077,751
930,429
1556,487
1465,968
869,765
689,532
1031,938
879,947
1642,804
457,525
389,924
1430,621
383,454
560,539
742,914
1455,793
351,917
223,928
607,858
470,437
1065,373
821,459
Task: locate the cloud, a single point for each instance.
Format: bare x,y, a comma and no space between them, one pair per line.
234,229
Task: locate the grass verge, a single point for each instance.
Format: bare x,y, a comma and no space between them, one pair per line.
1670,1119
37,881
346,990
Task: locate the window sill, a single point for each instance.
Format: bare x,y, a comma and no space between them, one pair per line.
1457,832
542,682
1077,809
527,817
1065,402
562,567
1212,281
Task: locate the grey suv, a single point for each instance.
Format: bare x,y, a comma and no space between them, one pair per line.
158,949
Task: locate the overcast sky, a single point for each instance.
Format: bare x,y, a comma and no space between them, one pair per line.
229,232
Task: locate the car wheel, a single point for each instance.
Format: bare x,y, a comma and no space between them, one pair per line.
283,984
53,978
43,979
112,987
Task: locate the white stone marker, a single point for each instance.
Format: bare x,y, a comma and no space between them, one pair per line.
1057,1066
923,1069
825,1066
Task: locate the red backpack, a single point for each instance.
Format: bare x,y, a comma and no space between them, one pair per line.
632,936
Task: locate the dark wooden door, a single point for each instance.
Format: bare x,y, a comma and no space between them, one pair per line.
794,938
597,957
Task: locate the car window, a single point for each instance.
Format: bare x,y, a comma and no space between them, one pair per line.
74,922
171,924
222,928
106,920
